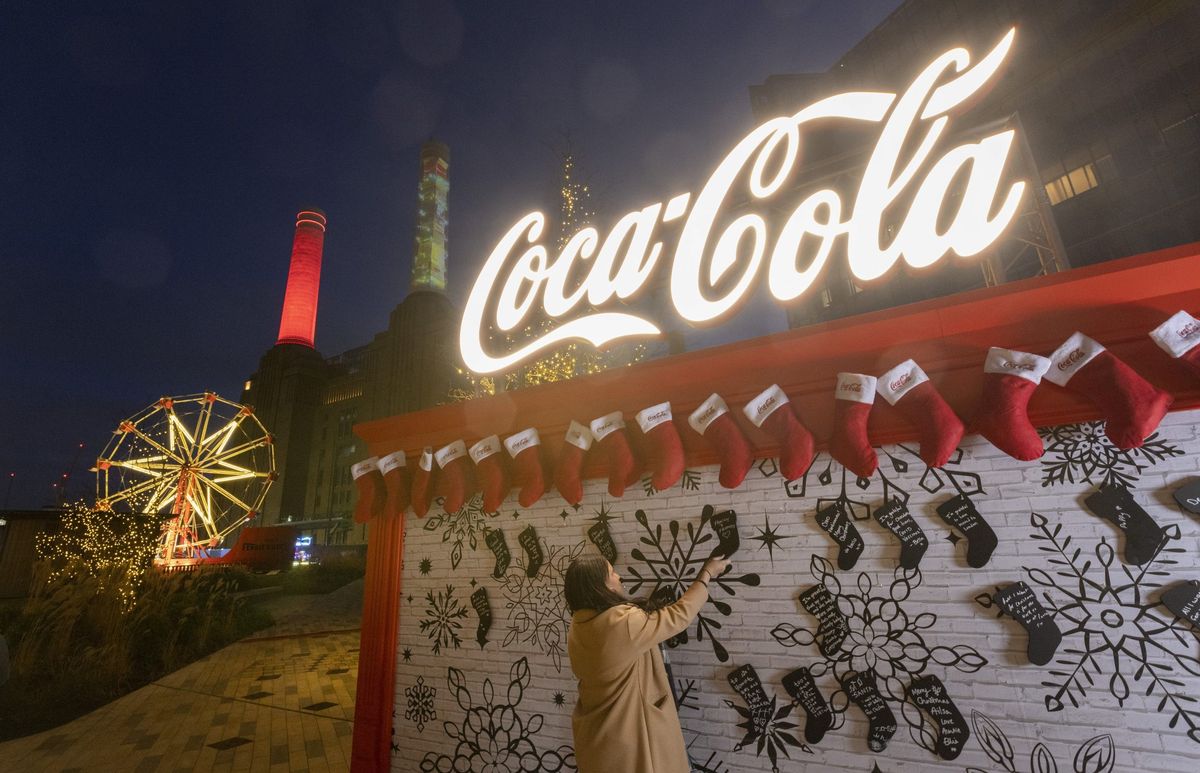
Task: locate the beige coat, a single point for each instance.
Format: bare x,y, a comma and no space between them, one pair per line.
625,720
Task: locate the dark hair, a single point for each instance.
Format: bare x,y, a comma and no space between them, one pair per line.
585,588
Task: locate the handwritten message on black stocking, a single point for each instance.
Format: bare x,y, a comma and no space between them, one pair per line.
1143,536
832,628
930,695
724,525
483,608
803,689
894,517
1184,601
602,539
834,522
1019,601
745,682
529,542
960,513
499,547
861,690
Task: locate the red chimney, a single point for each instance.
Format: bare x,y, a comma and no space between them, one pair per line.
299,320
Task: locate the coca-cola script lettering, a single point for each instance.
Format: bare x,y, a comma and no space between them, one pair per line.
715,266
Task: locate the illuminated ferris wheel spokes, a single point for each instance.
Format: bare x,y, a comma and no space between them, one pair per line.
205,461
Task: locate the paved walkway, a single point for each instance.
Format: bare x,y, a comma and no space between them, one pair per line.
281,700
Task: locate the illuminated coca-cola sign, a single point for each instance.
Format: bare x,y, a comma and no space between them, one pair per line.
713,268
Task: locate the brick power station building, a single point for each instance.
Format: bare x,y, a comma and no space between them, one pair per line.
310,401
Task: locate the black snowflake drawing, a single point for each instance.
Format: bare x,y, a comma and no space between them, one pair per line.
407,655
395,746
674,561
537,611
1082,453
1111,625
689,481
425,567
1096,755
493,736
442,621
685,695
710,765
463,527
775,736
560,700
824,471
883,637
420,704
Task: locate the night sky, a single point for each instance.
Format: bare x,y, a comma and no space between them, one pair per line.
154,156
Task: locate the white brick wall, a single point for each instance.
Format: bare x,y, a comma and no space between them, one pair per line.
1008,690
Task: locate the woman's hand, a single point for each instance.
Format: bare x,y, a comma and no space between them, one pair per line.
714,567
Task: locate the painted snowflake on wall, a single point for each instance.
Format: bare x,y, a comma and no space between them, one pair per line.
463,527
442,621
1112,627
420,704
1096,755
882,636
1082,453
493,736
672,562
894,460
537,611
688,481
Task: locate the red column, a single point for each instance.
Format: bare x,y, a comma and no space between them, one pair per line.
298,323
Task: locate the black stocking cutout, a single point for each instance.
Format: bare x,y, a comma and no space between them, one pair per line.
832,628
930,695
1184,601
1188,496
1143,537
602,539
800,685
483,608
1020,603
499,547
745,682
861,690
528,539
724,525
960,513
834,521
894,517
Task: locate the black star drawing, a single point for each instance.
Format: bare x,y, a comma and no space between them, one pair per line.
410,598
560,699
577,507
473,582
769,537
425,567
563,514
516,514
953,538
602,515
407,655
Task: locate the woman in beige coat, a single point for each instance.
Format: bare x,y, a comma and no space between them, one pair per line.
625,720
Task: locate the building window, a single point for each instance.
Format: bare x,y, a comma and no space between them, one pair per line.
1073,183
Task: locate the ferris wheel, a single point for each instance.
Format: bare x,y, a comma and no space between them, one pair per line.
203,462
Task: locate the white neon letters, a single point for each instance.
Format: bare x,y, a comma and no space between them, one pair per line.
520,272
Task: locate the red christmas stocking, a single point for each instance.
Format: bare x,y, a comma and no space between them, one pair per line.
1179,337
713,420
395,481
489,466
908,388
662,440
452,479
772,412
567,475
421,492
623,469
1009,378
850,446
371,494
1132,406
525,448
